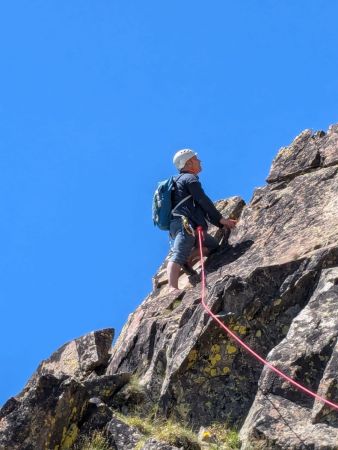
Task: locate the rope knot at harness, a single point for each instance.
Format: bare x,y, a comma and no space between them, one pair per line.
200,231
249,350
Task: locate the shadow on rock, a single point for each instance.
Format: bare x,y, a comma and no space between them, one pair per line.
227,255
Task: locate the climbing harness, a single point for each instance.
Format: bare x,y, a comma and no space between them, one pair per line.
245,346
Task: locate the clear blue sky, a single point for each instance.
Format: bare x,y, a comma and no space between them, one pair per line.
95,98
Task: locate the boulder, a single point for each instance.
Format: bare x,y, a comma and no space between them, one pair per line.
122,436
55,403
283,416
78,358
153,444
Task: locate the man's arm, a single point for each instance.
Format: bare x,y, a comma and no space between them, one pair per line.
212,213
199,196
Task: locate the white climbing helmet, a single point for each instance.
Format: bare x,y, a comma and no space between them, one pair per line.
182,156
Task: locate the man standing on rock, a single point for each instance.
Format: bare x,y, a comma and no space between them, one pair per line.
191,208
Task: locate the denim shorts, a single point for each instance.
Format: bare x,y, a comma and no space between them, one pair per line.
183,242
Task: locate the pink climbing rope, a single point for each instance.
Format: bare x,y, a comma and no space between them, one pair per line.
245,346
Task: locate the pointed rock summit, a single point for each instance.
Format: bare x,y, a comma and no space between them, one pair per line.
273,282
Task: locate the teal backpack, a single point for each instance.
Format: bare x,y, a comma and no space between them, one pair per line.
162,204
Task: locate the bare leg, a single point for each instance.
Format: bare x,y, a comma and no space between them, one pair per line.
173,271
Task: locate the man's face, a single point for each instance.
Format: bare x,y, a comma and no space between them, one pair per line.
194,165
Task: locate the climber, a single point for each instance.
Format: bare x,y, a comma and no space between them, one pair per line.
193,209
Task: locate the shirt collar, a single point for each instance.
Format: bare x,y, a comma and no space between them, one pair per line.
184,171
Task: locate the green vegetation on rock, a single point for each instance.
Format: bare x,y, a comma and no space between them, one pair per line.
223,438
162,430
215,437
97,441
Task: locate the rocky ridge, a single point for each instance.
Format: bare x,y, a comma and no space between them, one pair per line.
274,282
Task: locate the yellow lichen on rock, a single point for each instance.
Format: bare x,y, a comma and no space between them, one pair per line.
214,359
107,392
240,329
226,370
192,358
231,349
200,380
213,372
69,436
74,412
215,348
277,302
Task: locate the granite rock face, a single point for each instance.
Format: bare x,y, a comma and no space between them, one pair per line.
309,355
308,151
273,281
260,281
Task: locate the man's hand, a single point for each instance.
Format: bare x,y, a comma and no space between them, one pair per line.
228,223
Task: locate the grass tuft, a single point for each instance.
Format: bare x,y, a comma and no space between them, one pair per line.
162,430
134,386
224,438
96,441
173,433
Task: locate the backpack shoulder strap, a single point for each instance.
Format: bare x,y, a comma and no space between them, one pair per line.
175,179
182,201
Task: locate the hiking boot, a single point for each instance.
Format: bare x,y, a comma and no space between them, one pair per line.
188,270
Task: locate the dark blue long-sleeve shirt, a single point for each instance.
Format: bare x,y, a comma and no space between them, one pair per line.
198,208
